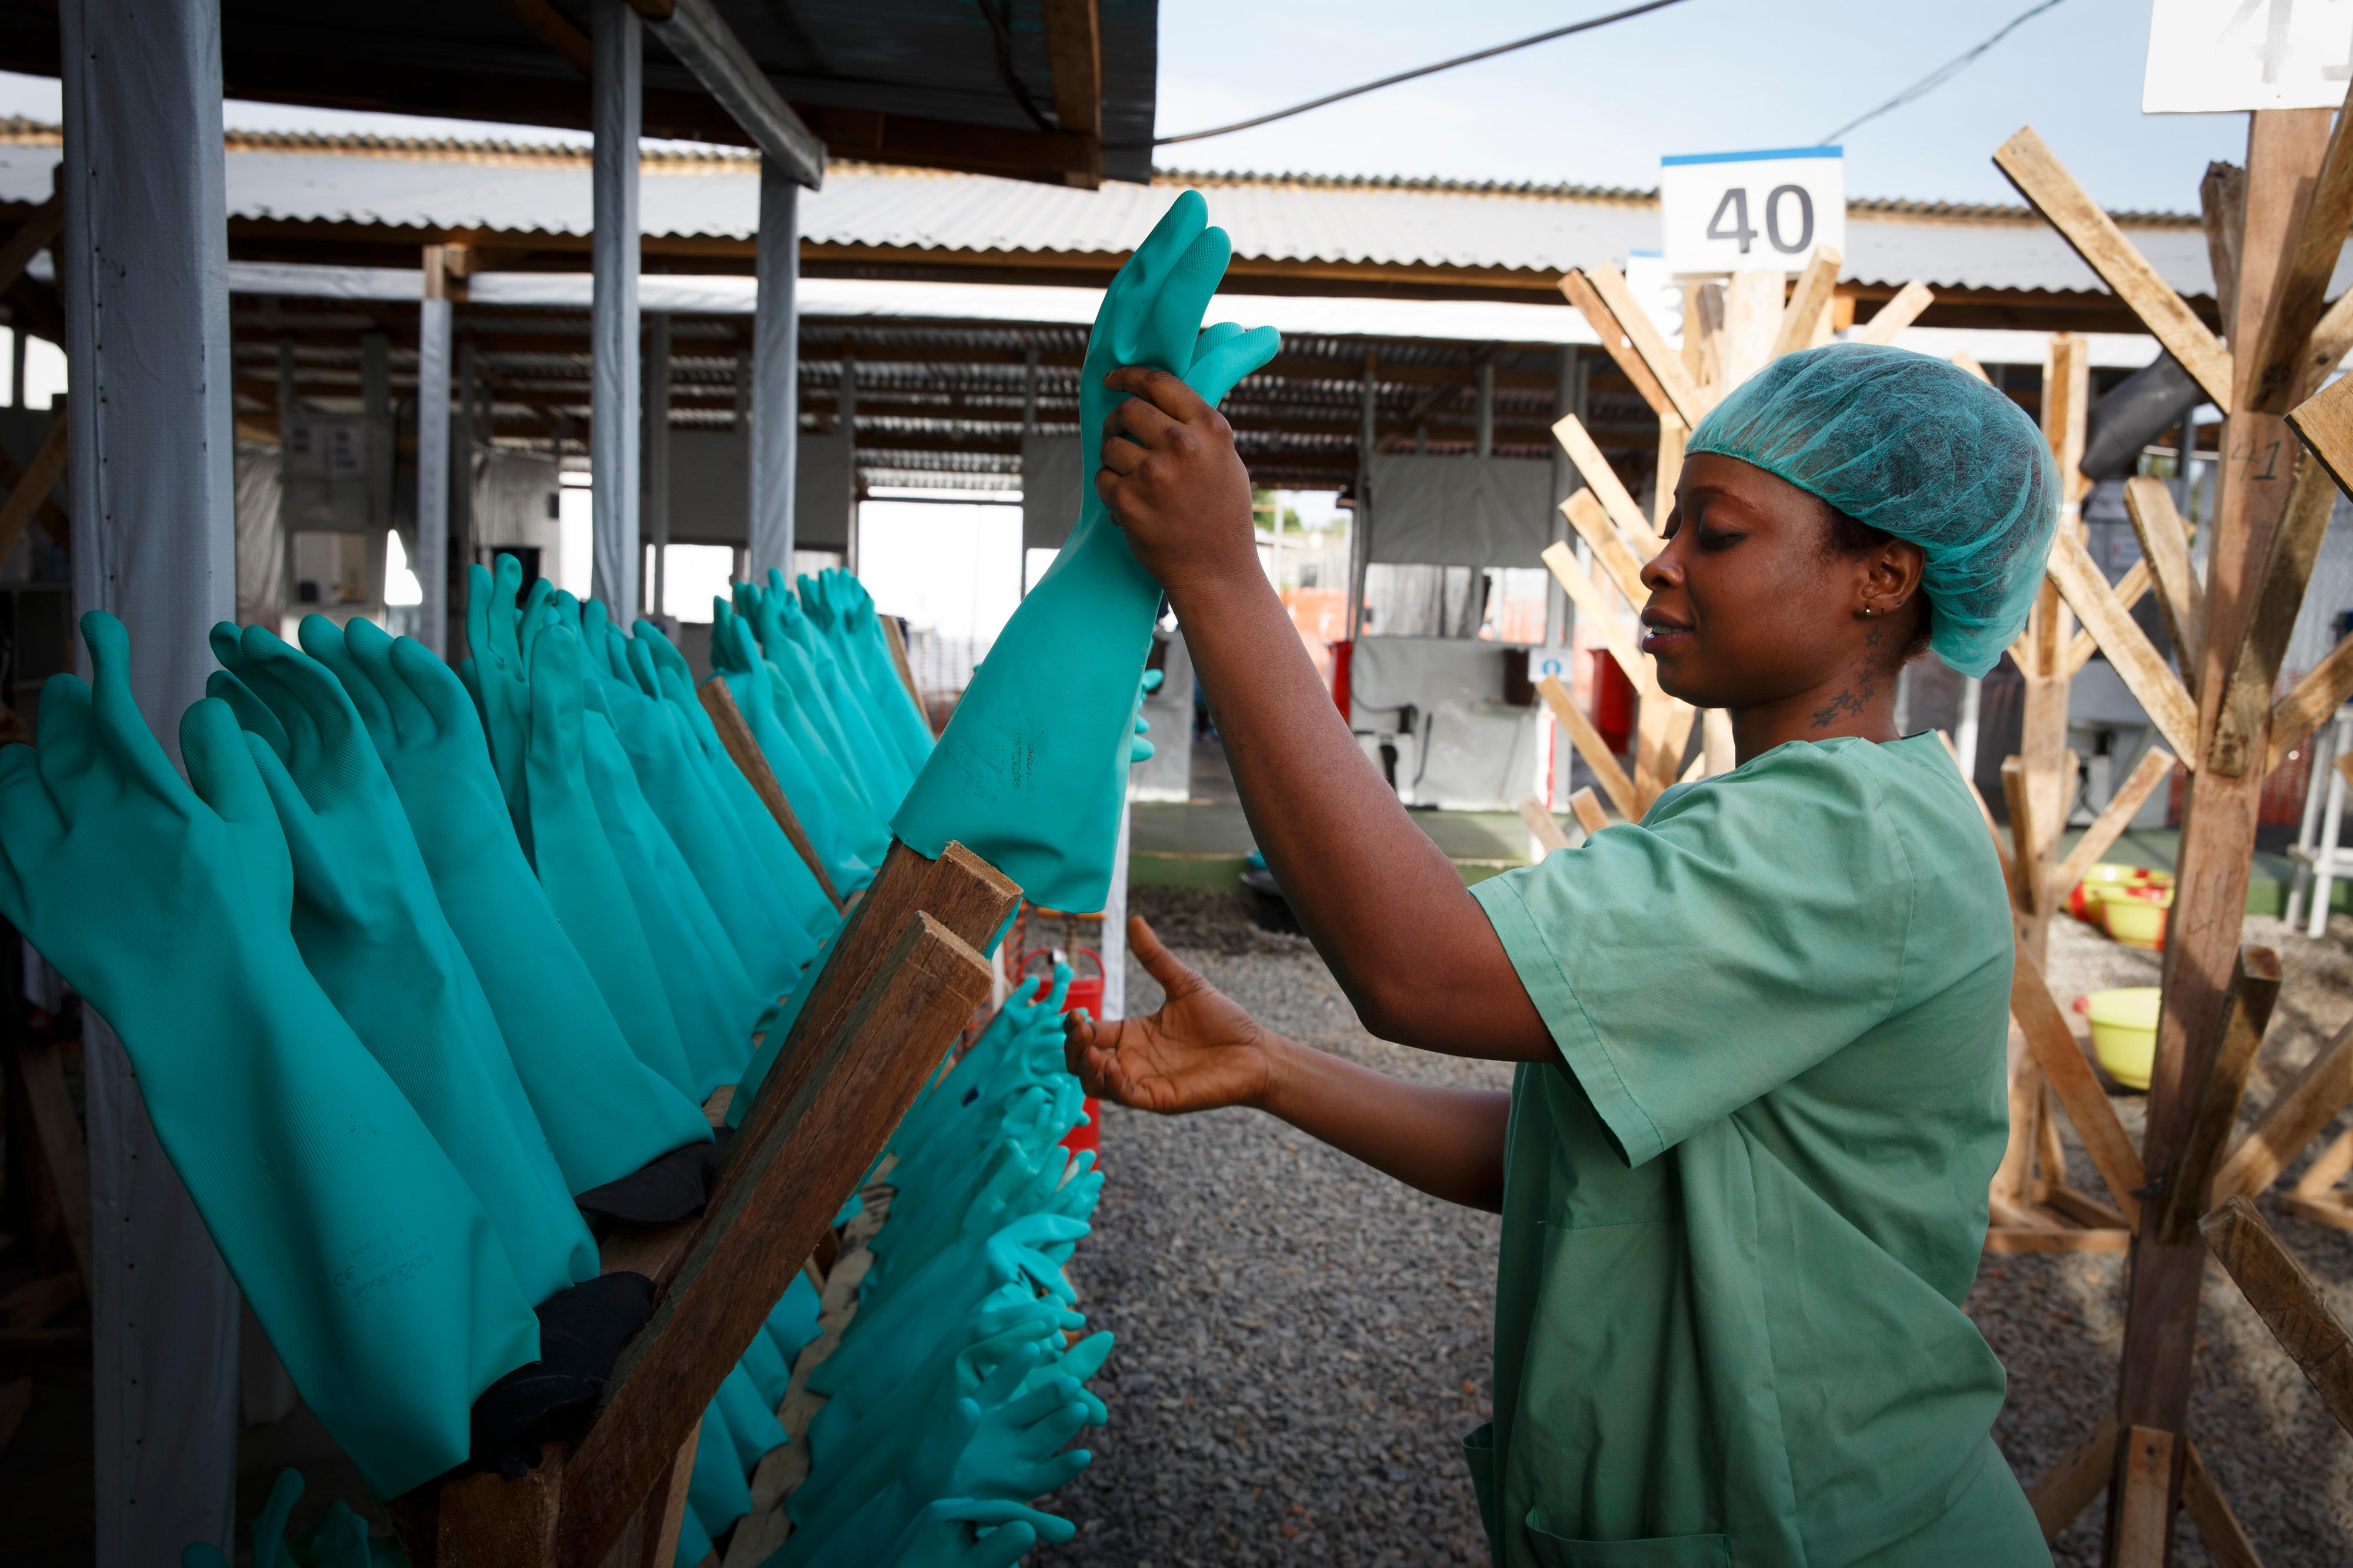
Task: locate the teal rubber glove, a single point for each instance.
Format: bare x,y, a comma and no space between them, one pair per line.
792,1323
845,694
694,1541
769,1372
893,705
717,1491
736,660
605,1112
372,934
751,1421
166,904
1033,767
268,1529
800,691
785,869
844,789
948,1533
675,776
1141,750
711,996
577,865
498,667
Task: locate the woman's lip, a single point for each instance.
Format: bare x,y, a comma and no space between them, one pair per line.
1657,639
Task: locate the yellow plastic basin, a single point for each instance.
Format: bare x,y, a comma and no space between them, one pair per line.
2136,915
2124,1032
2110,876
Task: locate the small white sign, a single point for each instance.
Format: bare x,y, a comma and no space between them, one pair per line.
2225,57
1741,212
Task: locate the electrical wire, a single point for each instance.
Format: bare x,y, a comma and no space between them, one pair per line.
1942,74
1586,26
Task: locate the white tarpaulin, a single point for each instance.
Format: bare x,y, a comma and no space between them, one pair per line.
1461,511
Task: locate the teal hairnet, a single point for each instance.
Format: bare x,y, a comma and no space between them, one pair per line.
1921,449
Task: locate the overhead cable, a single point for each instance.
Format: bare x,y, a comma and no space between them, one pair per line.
1941,75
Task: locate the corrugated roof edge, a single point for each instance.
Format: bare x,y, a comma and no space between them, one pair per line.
16,130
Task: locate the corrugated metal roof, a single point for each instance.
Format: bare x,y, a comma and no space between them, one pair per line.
517,188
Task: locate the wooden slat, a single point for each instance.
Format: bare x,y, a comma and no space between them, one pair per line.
1541,824
2144,1518
2069,1486
797,1169
2324,422
2080,1206
1600,292
1603,480
2165,547
2072,1080
1610,549
1591,747
34,235
2025,875
1808,300
2020,1238
2289,1123
2287,1301
736,736
59,1132
26,496
2142,669
1968,362
2328,1168
1586,807
1605,617
2000,849
2052,191
2299,292
1074,60
2332,340
2247,695
2155,766
2218,1527
1752,321
898,645
2130,588
1718,748
2309,703
1899,313
2215,1112
1674,736
1667,472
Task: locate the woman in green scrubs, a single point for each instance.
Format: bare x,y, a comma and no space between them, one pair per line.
1761,1033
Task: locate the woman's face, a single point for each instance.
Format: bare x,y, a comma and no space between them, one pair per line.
1750,607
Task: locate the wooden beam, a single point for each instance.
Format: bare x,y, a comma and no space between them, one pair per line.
2131,589
550,26
2144,1514
2218,1527
2332,340
700,38
2066,206
1603,482
1586,807
2287,1301
1807,301
2276,356
1611,550
2222,212
2080,1094
2154,767
1589,599
1591,747
2000,849
31,490
1541,824
1074,55
1627,332
2290,1122
34,235
796,1169
2309,703
2142,669
2246,1014
2165,546
2239,728
2325,421
2027,896
1899,313
2069,1486
735,735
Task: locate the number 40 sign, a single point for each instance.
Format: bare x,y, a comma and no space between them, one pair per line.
1740,212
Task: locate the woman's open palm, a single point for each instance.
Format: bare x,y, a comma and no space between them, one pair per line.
1199,1051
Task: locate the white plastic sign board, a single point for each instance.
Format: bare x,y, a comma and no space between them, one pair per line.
2222,57
1741,212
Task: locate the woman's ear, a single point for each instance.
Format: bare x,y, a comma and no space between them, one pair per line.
1893,577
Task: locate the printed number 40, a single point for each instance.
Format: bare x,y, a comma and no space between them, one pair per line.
1735,203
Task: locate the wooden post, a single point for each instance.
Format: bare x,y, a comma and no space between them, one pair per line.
2287,1301
2283,156
736,736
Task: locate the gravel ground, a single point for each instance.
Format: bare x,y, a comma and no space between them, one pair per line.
1302,1342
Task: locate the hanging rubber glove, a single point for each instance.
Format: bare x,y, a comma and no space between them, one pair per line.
736,660
711,996
792,1324
606,1113
694,1541
268,1529
367,1259
1141,750
1033,768
770,1373
372,934
717,1491
782,864
949,1534
893,706
750,1421
498,667
575,864
846,790
800,693
844,692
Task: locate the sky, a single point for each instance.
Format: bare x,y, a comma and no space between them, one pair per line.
1602,108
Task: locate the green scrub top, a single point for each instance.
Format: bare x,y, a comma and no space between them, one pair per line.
1741,1208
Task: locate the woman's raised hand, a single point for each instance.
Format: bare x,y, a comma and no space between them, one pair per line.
1199,1051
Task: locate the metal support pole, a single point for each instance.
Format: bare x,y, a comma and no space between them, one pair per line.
616,90
289,403
463,535
1029,389
432,563
776,408
144,249
1485,406
1360,527
657,512
846,416
376,406
743,388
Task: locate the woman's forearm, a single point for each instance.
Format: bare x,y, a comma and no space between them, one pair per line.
1383,905
1448,1142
